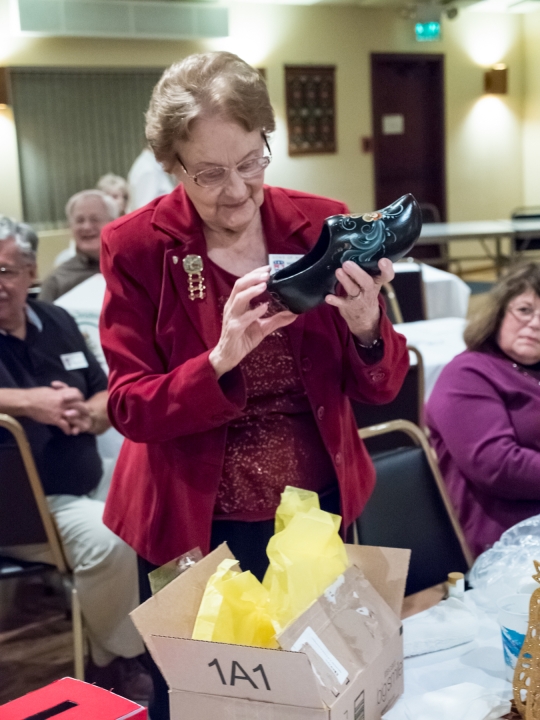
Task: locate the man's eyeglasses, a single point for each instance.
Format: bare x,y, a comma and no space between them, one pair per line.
218,175
524,313
9,274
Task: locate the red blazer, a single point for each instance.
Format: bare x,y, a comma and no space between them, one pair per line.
164,396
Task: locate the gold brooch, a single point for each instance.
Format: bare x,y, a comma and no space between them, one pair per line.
193,265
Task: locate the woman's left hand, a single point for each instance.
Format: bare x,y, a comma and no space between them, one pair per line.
360,308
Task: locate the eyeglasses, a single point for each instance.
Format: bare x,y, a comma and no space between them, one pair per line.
524,313
219,175
8,275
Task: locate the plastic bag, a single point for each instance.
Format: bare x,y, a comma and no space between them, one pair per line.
306,556
162,576
234,609
507,567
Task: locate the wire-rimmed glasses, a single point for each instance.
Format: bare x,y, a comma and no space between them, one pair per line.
218,175
524,313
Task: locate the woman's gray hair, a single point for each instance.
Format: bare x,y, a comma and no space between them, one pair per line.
481,331
206,84
110,183
107,200
24,236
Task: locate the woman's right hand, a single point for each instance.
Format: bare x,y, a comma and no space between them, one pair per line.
244,326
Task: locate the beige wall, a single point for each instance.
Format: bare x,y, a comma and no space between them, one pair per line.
484,137
531,126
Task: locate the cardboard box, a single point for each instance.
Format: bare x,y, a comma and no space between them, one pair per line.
70,699
341,660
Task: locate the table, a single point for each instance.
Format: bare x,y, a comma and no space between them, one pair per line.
439,341
446,294
443,233
84,303
480,661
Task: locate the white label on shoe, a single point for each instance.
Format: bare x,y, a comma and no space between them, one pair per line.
279,262
74,360
310,637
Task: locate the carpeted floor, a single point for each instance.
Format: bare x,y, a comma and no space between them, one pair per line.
35,639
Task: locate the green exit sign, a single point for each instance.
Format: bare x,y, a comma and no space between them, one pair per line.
428,32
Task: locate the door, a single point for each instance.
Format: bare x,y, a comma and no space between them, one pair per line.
408,130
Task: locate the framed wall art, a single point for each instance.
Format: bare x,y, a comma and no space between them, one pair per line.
311,112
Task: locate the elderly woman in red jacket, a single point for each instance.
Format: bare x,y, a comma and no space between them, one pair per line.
223,398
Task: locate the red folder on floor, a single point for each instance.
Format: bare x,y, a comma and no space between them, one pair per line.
70,699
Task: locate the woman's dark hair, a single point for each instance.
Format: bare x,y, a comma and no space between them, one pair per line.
484,325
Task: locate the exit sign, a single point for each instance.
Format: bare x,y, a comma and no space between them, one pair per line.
428,31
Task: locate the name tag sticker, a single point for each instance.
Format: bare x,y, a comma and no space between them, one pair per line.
280,262
74,360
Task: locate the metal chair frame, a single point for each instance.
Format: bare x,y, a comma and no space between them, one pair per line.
53,540
393,302
419,438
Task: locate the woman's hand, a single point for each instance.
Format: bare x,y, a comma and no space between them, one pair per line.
244,326
360,309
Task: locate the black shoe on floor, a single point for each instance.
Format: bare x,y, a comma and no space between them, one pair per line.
124,676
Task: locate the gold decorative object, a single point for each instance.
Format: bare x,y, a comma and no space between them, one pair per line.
527,672
193,265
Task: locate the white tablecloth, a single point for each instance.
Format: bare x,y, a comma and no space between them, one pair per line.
446,294
438,341
480,662
84,304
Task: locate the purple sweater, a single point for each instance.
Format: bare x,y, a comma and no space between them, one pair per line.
484,419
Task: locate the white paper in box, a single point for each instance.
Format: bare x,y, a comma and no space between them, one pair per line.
341,659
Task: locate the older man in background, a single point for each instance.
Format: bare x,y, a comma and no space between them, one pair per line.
53,384
87,213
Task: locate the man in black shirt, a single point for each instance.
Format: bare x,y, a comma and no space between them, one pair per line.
55,387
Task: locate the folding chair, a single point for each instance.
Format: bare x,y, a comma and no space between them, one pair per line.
393,309
432,253
521,245
25,519
410,508
407,405
408,286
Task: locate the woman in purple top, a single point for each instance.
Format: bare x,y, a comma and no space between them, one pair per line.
484,413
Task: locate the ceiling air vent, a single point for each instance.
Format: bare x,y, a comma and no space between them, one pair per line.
122,19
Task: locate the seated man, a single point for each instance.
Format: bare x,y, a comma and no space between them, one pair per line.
87,213
56,388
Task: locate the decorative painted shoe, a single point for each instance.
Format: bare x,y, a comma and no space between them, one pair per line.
364,239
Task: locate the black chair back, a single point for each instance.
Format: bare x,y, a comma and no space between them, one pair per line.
20,520
409,508
24,514
409,289
432,253
529,243
407,405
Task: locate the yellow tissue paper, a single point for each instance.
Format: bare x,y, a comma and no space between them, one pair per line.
234,609
294,500
306,556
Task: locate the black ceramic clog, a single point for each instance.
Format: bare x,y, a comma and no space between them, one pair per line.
364,239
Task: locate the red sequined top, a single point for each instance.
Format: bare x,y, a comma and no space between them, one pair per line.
276,442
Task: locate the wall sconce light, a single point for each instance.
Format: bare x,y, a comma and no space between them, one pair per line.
496,80
5,99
